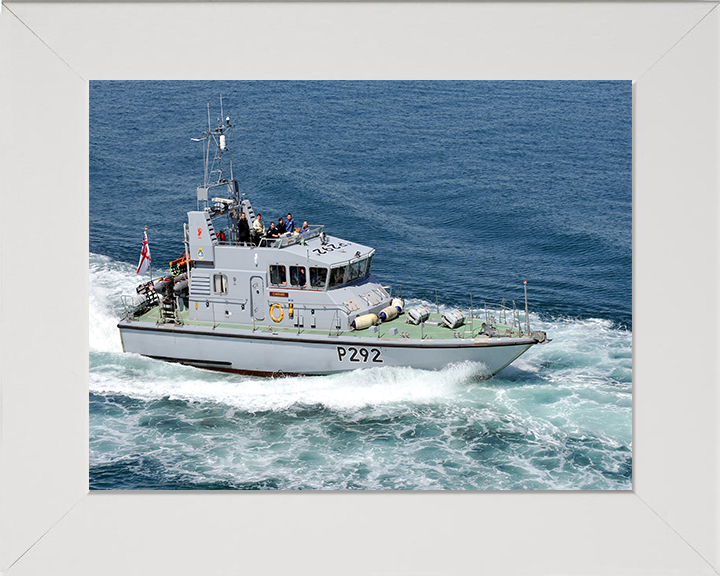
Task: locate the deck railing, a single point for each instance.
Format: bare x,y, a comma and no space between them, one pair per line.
136,305
498,314
287,239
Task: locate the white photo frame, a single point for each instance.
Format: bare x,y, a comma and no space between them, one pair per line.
668,524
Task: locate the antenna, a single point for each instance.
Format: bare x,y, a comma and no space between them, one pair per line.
527,316
471,316
206,145
216,174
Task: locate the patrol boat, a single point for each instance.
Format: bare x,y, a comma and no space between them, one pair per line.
303,303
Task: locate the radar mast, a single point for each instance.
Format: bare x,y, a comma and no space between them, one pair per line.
218,171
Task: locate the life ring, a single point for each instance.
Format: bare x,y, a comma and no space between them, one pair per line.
274,307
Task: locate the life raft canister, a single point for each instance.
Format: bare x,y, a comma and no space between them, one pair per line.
453,319
364,321
273,308
418,315
387,314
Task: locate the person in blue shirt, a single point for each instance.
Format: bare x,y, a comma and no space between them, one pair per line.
290,224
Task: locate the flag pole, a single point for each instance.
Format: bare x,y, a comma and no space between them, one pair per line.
150,260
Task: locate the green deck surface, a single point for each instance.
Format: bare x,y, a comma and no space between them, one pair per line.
431,330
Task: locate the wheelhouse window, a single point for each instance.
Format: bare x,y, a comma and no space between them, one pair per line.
357,269
277,275
367,261
220,283
337,276
298,276
349,272
318,277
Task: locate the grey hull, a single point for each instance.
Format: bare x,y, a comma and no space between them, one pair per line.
263,352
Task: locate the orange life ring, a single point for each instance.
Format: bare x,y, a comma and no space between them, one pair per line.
274,307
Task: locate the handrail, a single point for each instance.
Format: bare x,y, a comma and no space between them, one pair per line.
289,238
497,314
286,239
136,305
334,321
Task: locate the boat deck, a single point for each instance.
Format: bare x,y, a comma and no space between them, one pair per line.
430,331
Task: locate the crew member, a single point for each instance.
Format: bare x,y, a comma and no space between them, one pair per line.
272,231
258,229
290,224
243,229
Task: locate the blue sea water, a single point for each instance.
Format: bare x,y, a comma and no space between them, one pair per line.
467,188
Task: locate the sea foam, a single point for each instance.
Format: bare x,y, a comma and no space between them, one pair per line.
557,418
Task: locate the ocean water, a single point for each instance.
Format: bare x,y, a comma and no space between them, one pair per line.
464,188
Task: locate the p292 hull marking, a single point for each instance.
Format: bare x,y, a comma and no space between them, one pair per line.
352,354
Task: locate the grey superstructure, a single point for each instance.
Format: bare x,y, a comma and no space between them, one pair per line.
303,303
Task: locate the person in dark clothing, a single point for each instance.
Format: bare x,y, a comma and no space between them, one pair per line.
281,226
243,229
272,231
